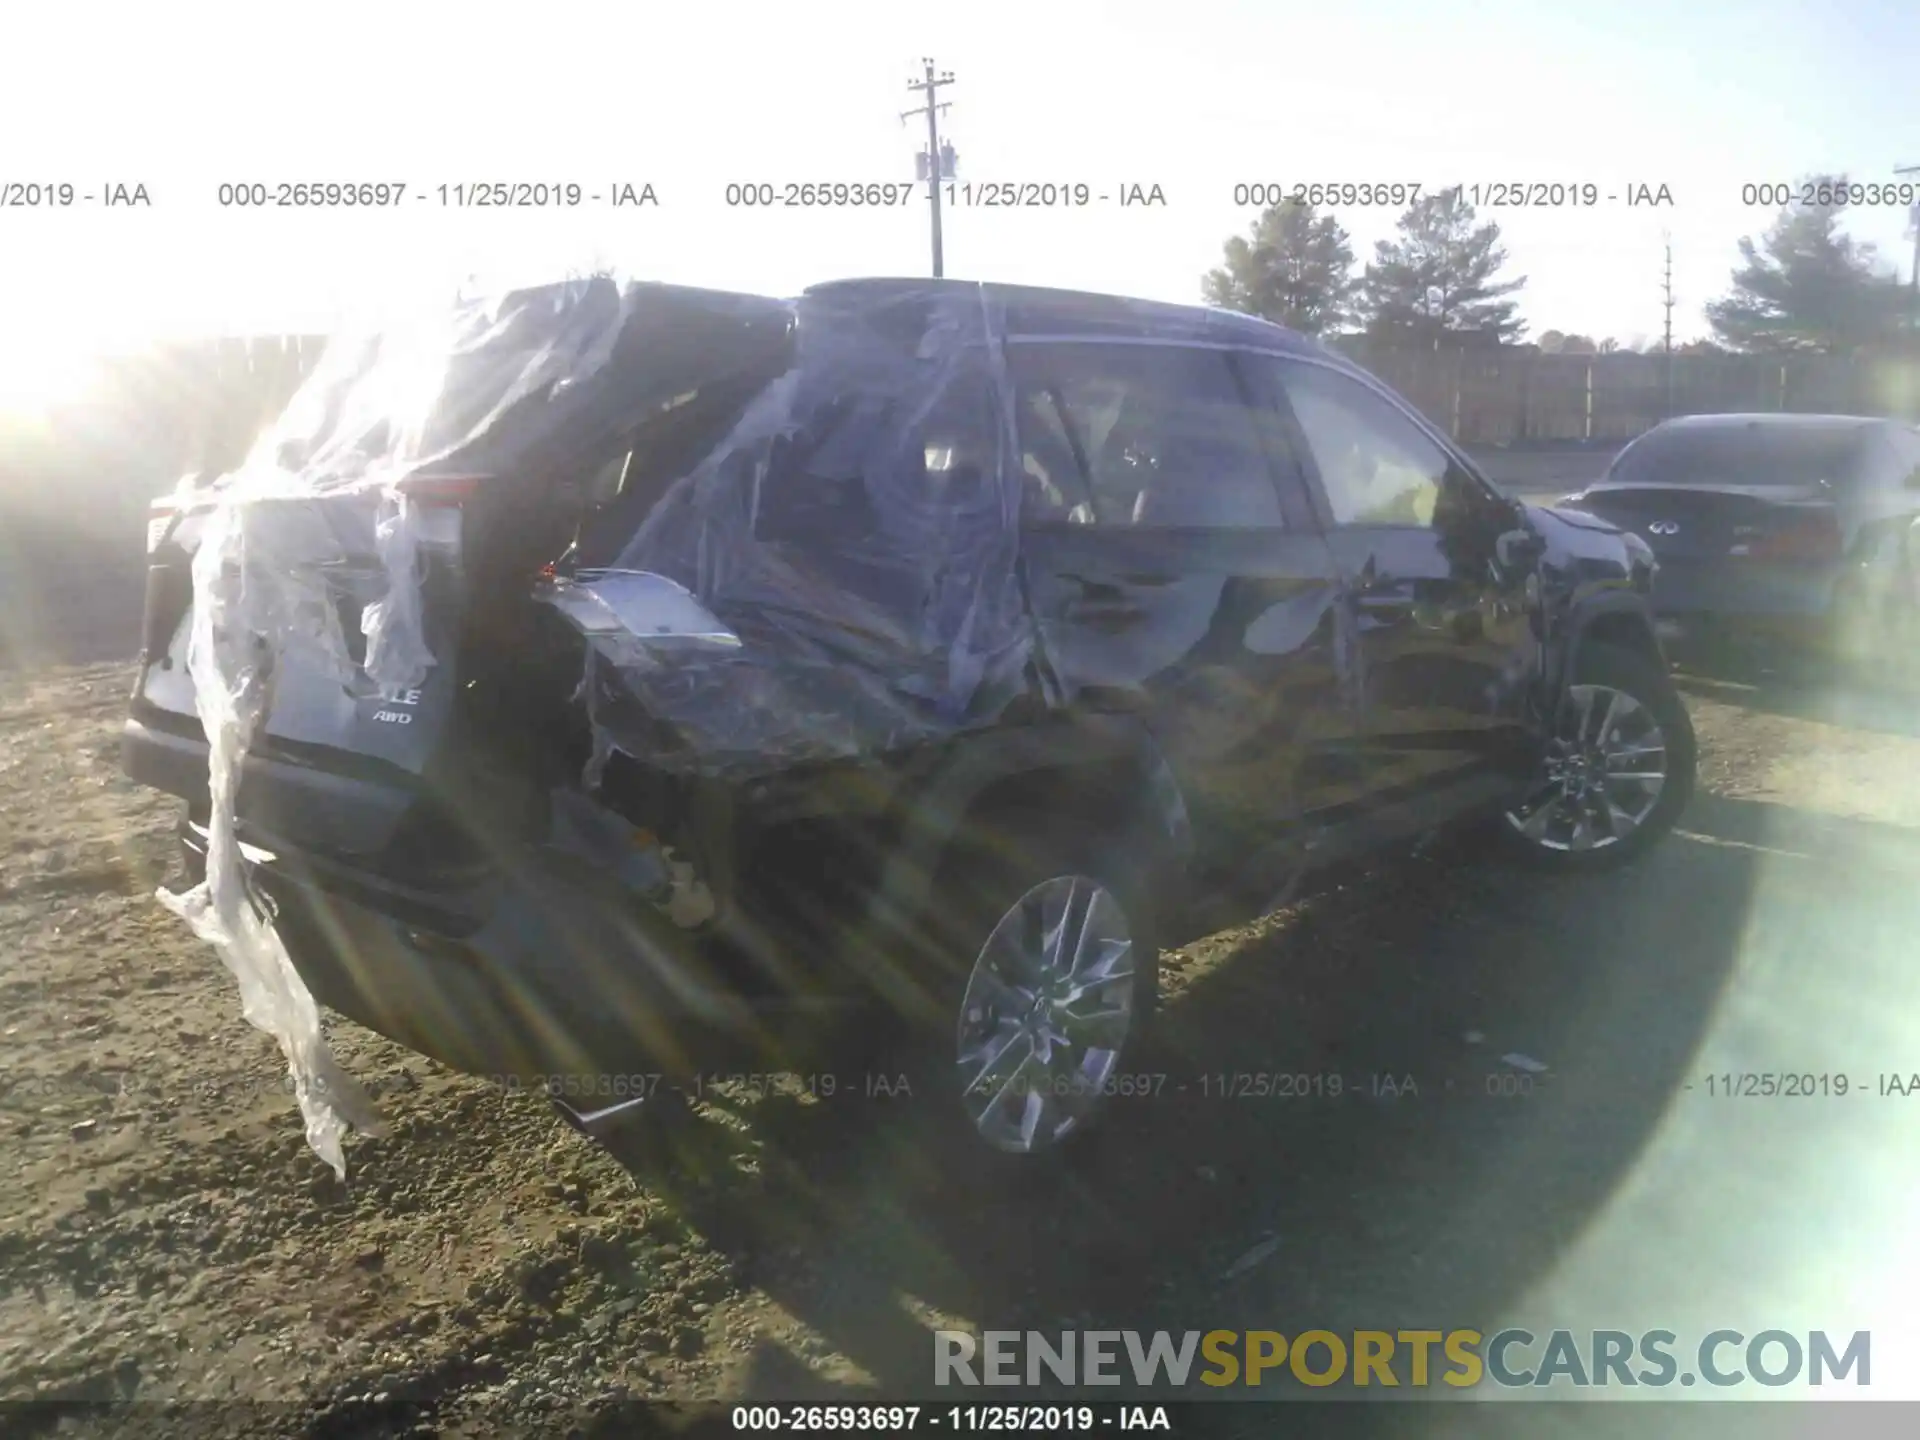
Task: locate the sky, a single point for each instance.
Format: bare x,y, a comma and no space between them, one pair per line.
1194,98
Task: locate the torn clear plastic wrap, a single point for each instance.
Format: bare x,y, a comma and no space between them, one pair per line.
378,408
829,570
857,530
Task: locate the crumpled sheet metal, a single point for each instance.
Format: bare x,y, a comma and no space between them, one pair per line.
377,408
858,530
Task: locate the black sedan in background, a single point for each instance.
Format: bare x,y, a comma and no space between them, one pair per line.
1794,527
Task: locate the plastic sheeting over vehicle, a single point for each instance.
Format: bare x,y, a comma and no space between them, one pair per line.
857,531
844,555
378,408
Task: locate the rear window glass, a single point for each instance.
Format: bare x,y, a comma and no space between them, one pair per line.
408,397
1761,455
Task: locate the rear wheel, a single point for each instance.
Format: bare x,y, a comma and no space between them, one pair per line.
1050,973
1617,770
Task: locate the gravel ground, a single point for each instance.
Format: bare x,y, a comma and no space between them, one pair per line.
167,1235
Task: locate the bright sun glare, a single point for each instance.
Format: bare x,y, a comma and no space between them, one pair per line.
39,372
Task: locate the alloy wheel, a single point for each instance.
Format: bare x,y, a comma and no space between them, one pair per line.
1601,776
1047,1011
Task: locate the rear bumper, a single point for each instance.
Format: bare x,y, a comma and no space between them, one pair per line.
1756,588
1696,599
548,976
333,812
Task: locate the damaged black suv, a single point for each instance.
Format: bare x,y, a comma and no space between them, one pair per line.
930,650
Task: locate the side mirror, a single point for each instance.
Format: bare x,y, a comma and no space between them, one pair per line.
1516,550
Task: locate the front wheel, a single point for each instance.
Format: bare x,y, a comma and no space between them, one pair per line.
1617,770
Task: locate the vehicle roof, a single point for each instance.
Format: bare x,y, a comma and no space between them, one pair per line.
1772,421
1034,311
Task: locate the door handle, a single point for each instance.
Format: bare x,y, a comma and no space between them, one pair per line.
1384,601
1101,612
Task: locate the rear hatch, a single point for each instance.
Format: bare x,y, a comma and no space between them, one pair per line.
343,762
411,780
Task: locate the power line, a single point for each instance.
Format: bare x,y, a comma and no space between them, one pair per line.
936,162
1914,284
1668,303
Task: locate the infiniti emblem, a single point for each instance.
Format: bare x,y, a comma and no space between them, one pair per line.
1663,527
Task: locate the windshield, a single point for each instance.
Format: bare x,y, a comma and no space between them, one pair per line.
1767,455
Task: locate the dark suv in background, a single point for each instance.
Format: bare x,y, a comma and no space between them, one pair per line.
924,648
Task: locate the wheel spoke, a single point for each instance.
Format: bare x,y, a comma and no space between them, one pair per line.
1622,822
1084,939
1010,1097
1101,1028
1614,697
1584,718
1582,838
1030,1114
1634,752
1541,796
1101,961
1540,822
991,993
1111,973
1004,963
1065,928
1017,1046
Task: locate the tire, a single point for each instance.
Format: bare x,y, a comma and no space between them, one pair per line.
1029,867
1601,672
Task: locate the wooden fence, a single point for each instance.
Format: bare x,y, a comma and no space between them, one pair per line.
1517,396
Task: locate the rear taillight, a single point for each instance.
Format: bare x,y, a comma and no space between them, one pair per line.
160,517
440,489
1810,537
176,521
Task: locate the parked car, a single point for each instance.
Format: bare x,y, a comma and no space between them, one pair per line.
932,650
1777,527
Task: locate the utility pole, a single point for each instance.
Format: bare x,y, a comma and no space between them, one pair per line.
936,162
1667,285
1914,214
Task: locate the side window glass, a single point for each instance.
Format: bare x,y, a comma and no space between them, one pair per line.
1149,436
1376,464
1055,483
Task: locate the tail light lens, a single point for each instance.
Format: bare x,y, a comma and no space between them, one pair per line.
440,489
1815,536
177,521
160,520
